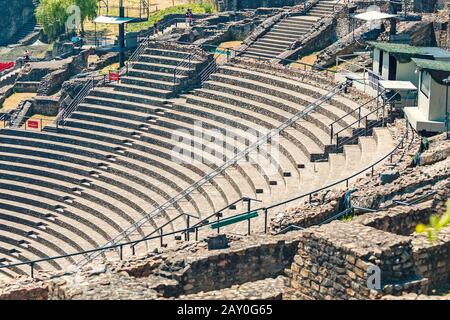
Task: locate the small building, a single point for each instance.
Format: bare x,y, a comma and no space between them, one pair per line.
393,61
431,113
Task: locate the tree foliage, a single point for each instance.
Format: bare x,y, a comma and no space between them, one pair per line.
53,14
436,224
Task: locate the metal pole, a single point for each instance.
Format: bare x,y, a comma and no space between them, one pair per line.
446,108
121,36
249,208
266,212
187,228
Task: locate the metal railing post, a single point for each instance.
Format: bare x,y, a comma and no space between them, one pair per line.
121,252
249,208
186,236
266,213
32,270
161,237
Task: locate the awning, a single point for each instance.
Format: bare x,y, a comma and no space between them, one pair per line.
112,20
374,15
435,65
397,85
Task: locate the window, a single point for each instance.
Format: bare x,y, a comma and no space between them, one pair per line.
425,82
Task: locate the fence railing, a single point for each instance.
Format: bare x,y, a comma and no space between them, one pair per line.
205,223
356,111
186,63
368,126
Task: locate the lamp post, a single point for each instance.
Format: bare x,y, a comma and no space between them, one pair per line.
446,81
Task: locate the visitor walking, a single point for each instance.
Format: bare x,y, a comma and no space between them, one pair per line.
27,56
189,18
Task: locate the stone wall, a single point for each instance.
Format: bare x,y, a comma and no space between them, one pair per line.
234,5
267,289
15,15
425,6
47,106
335,261
432,259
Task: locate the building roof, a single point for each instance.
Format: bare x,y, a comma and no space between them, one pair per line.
396,47
435,52
432,64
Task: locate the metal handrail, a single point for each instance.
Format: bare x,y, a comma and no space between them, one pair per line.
120,246
186,62
351,112
66,112
201,222
367,115
244,153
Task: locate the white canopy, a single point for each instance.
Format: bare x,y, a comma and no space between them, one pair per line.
111,20
397,85
374,15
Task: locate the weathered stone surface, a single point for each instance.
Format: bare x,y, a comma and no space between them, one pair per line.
346,255
267,289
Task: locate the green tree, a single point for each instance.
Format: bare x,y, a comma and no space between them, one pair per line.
53,14
436,224
88,9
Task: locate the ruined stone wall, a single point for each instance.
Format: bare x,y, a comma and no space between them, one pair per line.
234,5
432,259
15,15
336,261
425,5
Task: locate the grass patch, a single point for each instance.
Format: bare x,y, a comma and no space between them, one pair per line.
206,6
111,67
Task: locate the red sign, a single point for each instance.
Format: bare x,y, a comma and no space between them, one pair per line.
33,124
114,76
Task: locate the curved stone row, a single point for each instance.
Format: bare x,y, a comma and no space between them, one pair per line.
117,157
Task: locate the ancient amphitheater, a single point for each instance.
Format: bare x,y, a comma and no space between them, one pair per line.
211,172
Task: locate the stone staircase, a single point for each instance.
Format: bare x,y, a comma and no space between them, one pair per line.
290,29
117,157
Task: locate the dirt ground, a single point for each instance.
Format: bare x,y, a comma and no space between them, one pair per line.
14,100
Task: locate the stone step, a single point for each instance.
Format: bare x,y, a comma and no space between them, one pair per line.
319,136
179,54
306,144
99,107
339,101
70,220
179,120
164,88
113,93
117,171
167,60
162,77
39,185
162,68
30,219
286,98
162,95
